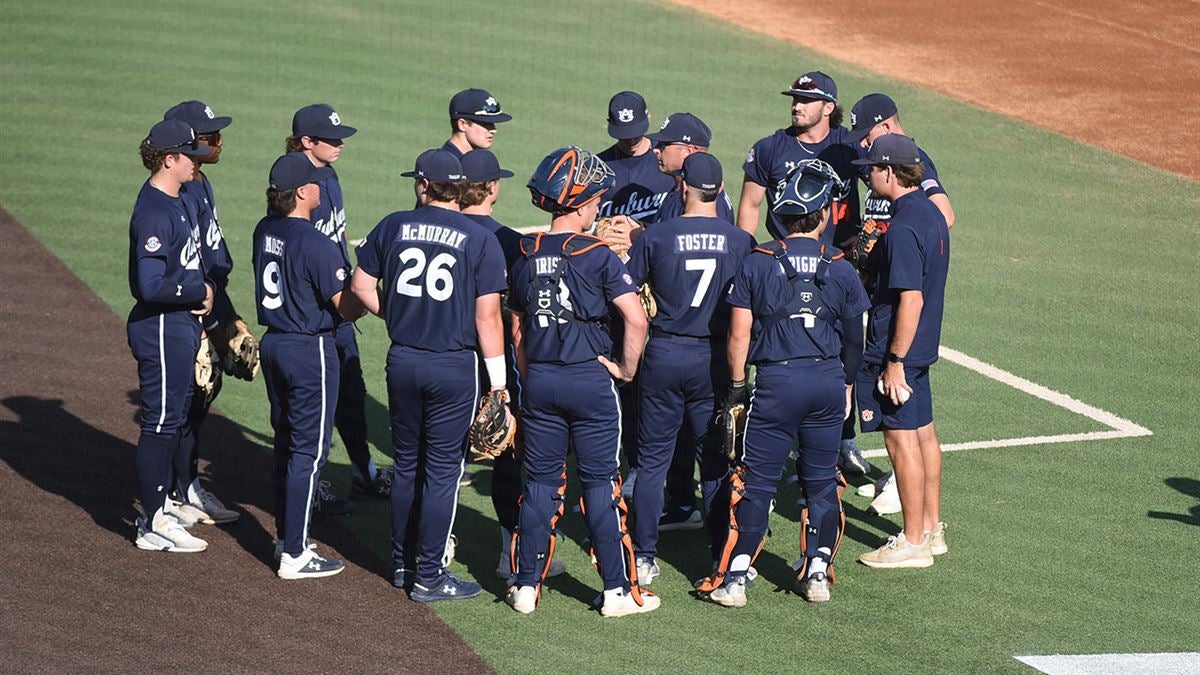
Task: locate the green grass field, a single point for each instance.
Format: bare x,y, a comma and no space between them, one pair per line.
1071,267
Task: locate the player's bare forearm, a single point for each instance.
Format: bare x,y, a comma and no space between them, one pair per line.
908,315
366,288
749,206
348,305
738,345
943,203
518,338
488,325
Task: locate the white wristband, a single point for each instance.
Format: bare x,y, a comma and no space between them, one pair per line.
497,373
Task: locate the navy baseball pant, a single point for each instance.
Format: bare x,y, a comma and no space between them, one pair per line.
800,399
432,397
301,374
165,347
678,377
576,404
351,417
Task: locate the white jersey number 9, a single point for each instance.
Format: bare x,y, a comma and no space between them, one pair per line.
270,282
439,283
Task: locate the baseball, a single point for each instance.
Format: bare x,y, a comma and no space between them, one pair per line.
902,395
867,490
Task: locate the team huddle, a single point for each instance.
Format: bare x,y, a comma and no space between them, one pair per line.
625,325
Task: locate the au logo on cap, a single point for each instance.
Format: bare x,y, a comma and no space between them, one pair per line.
625,115
208,111
334,119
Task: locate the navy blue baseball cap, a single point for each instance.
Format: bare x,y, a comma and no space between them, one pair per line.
477,105
627,116
176,136
683,128
701,170
320,120
480,166
891,149
869,111
438,166
815,85
199,116
295,170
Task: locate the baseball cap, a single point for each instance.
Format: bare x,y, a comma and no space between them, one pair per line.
199,116
176,136
438,166
869,111
479,166
701,170
627,116
814,85
320,120
683,128
295,170
891,149
477,105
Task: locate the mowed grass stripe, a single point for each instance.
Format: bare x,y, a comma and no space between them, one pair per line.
1071,267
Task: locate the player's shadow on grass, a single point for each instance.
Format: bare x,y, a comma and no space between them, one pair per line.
1189,487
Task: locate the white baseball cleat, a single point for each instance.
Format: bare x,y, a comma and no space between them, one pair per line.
308,565
522,598
214,511
174,509
619,603
732,594
887,496
167,535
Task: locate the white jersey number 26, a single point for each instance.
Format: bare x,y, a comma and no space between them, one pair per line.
439,282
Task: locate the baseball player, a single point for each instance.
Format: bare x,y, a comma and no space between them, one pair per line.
638,190
479,195
873,116
190,497
562,288
318,132
789,301
171,293
474,114
902,342
299,283
442,275
688,263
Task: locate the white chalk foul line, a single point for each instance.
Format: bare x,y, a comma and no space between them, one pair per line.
1120,427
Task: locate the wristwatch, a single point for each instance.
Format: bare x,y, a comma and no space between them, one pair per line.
893,357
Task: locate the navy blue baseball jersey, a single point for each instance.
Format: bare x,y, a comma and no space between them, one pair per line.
570,326
164,253
296,273
672,207
689,262
451,147
330,215
433,264
879,209
811,329
510,239
916,256
769,161
639,188
197,196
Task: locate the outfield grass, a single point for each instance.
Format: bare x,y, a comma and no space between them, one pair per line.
1071,266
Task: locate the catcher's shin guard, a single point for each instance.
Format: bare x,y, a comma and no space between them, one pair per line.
822,522
538,512
745,537
612,549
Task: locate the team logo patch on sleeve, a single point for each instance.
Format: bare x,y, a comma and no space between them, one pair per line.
153,244
628,279
929,184
750,156
341,274
868,415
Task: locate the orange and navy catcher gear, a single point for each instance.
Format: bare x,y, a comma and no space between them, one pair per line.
568,179
810,187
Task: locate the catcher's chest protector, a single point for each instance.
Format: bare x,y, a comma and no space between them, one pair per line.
548,298
806,279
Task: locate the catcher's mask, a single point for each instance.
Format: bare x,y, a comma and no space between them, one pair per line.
568,179
810,187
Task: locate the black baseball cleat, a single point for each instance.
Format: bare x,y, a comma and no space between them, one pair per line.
403,578
380,488
851,459
328,504
447,587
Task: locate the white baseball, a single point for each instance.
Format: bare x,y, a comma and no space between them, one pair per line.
902,393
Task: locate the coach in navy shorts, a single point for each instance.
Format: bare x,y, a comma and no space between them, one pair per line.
902,342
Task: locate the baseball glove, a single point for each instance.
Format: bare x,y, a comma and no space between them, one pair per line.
237,348
615,239
207,367
648,302
494,427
